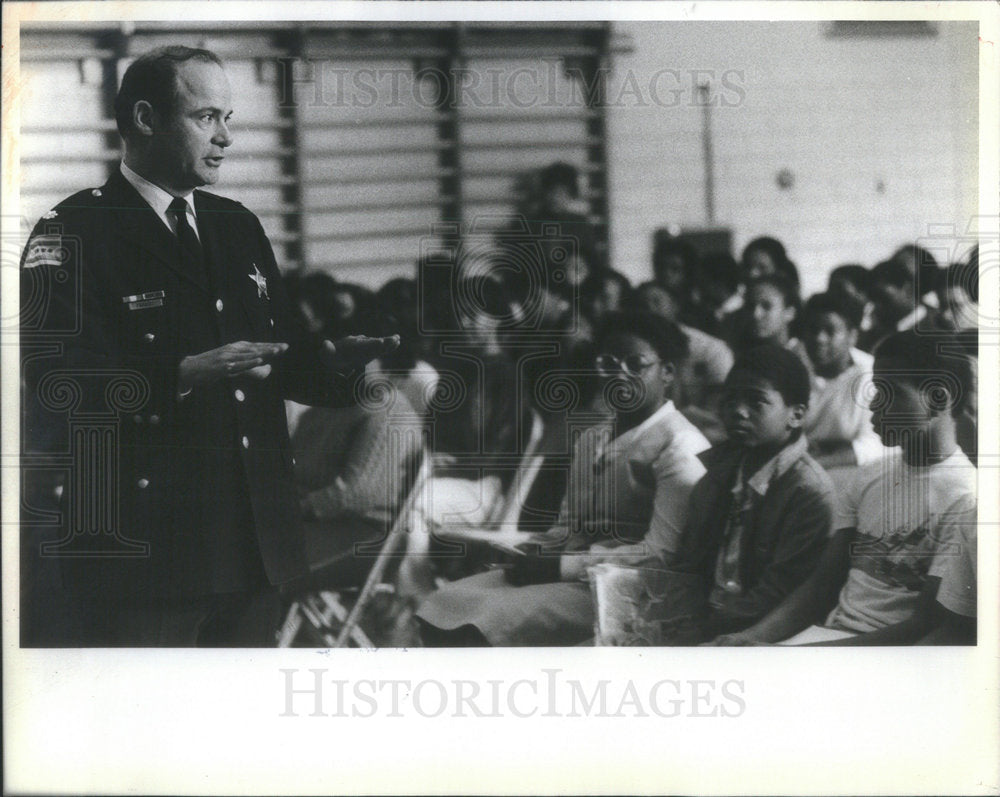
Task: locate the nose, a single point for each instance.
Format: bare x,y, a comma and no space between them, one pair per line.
223,137
738,409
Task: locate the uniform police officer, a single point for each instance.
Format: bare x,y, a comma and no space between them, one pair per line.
175,293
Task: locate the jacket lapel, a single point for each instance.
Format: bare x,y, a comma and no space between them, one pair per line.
211,234
139,224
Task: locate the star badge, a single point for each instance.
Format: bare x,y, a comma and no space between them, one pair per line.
261,281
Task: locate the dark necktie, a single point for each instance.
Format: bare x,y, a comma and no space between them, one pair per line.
190,246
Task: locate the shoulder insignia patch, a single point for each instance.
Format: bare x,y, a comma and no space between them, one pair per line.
96,192
50,215
45,250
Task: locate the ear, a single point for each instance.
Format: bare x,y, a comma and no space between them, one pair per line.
796,415
937,399
667,374
142,118
789,315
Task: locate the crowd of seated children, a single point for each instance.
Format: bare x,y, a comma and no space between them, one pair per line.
626,502
757,520
907,523
464,369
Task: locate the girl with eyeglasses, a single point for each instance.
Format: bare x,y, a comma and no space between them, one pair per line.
629,482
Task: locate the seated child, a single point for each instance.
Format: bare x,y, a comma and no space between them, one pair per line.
855,280
955,608
764,256
351,467
603,292
760,516
767,315
698,384
838,424
717,295
958,295
897,302
675,262
626,502
902,525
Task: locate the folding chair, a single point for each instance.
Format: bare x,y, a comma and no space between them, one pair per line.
322,613
506,513
502,521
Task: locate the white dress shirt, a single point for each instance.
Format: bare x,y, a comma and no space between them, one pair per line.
159,200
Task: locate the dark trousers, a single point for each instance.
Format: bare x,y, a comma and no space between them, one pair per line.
241,619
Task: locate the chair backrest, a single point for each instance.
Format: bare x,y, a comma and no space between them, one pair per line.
506,512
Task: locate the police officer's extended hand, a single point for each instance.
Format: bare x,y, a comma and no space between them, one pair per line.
242,358
356,350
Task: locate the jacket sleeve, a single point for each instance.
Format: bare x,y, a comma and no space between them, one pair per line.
697,540
673,475
805,526
304,375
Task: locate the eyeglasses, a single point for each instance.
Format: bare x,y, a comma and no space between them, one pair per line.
634,365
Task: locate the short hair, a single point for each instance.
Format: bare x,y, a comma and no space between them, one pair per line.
314,288
153,77
562,174
839,303
932,361
664,336
666,245
964,276
782,368
921,264
891,272
720,267
775,250
789,292
922,258
854,273
636,299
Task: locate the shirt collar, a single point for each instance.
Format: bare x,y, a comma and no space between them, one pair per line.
776,466
652,420
158,199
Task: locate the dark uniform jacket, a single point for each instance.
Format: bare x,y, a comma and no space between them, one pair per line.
171,497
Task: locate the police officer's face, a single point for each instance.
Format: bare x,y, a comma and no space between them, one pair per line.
191,141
